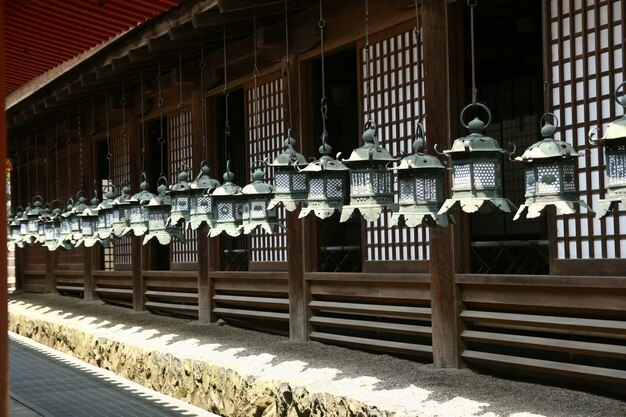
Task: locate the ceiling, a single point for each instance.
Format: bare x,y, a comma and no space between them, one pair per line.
42,34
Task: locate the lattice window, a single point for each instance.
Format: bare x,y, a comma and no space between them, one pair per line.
587,46
394,96
266,132
120,165
180,143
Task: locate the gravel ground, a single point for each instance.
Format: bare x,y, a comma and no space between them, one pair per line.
409,387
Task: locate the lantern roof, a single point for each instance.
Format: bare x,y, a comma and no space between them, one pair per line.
81,205
617,128
228,188
123,198
37,208
325,162
109,200
476,141
183,182
371,149
289,156
161,199
548,147
204,180
143,196
258,186
419,159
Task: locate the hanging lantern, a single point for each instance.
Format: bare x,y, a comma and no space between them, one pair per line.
24,227
106,215
32,221
14,226
420,187
138,214
200,201
256,211
53,229
289,182
89,225
43,219
614,142
476,170
75,225
326,184
121,212
66,238
371,183
180,195
159,209
228,202
550,175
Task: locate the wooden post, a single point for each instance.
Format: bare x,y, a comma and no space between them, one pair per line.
298,317
136,248
443,299
4,319
89,293
50,267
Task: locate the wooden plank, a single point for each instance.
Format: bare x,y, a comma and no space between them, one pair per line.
379,310
601,327
251,314
251,287
121,291
260,302
169,295
250,275
169,306
384,345
376,326
368,277
559,369
69,288
369,290
557,281
545,343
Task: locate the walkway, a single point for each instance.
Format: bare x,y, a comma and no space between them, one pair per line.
46,382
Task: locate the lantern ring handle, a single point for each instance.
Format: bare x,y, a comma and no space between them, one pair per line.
543,120
617,91
482,106
81,193
37,198
263,162
592,136
162,177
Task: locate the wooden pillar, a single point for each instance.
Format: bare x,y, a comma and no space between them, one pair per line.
89,293
136,248
298,294
443,299
4,316
50,280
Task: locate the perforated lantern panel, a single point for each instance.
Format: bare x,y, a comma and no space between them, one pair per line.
316,188
530,179
299,182
180,203
426,189
281,181
225,211
616,167
406,189
549,179
257,209
156,220
201,205
462,177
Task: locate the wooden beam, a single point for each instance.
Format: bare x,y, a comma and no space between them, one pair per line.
443,297
213,18
234,5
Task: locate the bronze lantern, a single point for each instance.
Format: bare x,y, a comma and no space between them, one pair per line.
550,175
121,212
138,214
200,204
289,182
159,210
256,212
371,182
180,194
227,202
476,162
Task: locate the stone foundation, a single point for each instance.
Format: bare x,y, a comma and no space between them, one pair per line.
207,385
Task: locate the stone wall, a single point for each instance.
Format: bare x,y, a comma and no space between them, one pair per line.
206,385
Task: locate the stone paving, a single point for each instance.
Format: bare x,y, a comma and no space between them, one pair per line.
45,382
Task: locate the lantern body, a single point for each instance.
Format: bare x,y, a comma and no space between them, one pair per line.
139,219
159,226
180,194
33,228
476,173
256,211
614,141
200,201
290,186
228,205
89,227
550,176
420,191
327,182
371,183
121,212
14,228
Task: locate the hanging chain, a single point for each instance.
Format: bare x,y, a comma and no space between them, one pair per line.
36,157
472,5
56,158
27,175
288,69
255,73
93,134
19,176
123,134
181,105
143,129
161,139
226,122
45,156
323,102
80,149
68,143
369,106
202,65
418,48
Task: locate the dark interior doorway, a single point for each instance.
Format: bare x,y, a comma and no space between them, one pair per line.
509,79
155,166
339,244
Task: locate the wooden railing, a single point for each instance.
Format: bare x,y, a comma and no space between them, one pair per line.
114,287
548,326
379,312
171,292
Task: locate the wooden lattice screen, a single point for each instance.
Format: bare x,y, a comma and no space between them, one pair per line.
587,46
394,97
266,133
180,141
120,167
